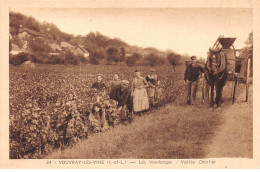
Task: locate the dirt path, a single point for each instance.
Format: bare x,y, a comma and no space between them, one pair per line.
235,136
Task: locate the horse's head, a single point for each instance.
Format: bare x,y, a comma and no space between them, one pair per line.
213,60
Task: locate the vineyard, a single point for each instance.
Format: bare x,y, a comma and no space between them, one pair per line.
49,104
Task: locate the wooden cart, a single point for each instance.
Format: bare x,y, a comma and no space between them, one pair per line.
238,67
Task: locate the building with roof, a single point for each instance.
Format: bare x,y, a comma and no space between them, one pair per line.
15,49
80,50
24,32
66,45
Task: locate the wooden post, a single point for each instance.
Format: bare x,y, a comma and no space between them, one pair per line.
216,43
247,78
232,85
203,89
234,90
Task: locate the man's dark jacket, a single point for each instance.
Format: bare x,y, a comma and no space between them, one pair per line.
192,72
123,97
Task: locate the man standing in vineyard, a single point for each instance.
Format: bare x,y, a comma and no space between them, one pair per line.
191,76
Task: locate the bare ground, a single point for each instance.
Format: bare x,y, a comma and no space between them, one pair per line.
235,137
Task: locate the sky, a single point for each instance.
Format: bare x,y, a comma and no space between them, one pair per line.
185,31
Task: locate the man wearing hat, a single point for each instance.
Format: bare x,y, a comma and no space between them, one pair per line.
122,95
191,76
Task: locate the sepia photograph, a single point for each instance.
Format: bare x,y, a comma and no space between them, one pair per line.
153,85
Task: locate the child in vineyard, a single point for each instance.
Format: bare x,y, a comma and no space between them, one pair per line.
97,118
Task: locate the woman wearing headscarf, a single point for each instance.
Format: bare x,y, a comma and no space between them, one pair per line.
140,98
152,81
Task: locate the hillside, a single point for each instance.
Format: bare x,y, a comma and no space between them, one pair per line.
28,35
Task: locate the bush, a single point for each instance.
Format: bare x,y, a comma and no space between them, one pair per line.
130,61
154,60
113,55
37,45
96,57
83,59
55,60
36,58
93,60
70,58
19,58
173,58
59,60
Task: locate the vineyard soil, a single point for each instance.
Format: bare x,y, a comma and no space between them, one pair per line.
48,106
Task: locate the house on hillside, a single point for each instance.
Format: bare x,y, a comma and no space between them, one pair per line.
25,45
15,49
24,32
54,47
80,50
66,45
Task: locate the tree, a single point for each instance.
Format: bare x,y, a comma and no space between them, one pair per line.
16,19
173,58
249,41
112,54
247,52
130,61
32,24
65,36
93,60
154,60
122,54
20,58
100,39
38,45
70,58
96,57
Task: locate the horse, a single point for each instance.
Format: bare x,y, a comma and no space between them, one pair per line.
216,75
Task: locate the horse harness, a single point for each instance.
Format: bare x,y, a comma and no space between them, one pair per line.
216,64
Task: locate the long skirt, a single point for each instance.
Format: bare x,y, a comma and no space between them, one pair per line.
150,91
140,100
